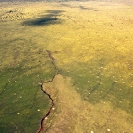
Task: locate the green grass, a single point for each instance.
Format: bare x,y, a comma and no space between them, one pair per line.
101,79
23,66
97,57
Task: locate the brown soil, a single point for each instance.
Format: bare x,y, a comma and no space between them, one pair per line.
74,115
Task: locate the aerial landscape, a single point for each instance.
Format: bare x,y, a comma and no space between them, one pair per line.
66,66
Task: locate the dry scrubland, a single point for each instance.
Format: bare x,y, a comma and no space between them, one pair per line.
90,48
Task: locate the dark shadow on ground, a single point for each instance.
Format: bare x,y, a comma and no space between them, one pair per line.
52,17
84,8
80,7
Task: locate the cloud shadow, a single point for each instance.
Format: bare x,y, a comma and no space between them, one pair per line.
49,19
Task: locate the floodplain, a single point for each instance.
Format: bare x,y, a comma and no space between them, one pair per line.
76,55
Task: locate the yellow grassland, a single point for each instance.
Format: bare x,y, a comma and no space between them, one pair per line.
87,31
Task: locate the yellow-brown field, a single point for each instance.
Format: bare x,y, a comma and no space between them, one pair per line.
87,46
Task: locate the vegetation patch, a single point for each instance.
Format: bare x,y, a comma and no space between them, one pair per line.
82,59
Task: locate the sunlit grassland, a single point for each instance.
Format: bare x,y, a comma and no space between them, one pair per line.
90,42
97,54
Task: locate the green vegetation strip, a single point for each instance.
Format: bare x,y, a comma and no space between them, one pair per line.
23,67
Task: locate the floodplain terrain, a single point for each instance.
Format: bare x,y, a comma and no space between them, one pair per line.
66,67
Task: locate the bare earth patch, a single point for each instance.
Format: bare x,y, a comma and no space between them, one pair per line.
74,115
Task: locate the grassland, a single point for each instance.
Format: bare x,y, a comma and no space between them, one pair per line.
90,44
